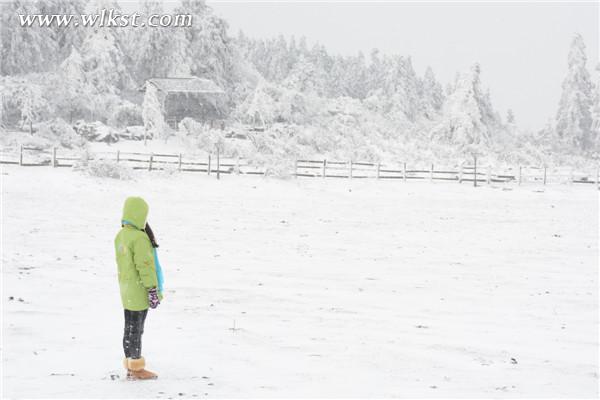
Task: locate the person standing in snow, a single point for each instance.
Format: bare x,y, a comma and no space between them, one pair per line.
140,281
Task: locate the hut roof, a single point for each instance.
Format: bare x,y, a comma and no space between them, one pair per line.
186,85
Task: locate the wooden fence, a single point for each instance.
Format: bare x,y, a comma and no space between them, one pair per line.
472,173
217,164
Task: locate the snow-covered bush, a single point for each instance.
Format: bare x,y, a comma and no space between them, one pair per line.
34,142
166,170
126,114
275,167
135,132
96,131
59,133
189,127
105,169
24,100
270,103
201,136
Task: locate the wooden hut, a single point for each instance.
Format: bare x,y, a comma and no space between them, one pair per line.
197,98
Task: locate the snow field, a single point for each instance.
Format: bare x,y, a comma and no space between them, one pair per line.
303,288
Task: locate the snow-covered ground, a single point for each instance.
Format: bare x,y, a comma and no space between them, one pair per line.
304,287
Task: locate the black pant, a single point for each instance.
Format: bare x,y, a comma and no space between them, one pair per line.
132,336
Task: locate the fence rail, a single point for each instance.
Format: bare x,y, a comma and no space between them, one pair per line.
217,164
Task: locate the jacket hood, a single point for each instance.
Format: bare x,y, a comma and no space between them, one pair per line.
135,211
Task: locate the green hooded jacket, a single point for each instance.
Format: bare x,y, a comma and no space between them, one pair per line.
135,259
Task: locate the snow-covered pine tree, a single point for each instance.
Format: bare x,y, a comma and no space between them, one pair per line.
322,63
401,84
179,61
302,76
66,38
32,104
24,50
511,128
355,81
432,95
210,49
158,51
468,120
74,91
303,47
574,118
152,114
104,62
375,72
595,131
278,68
293,54
510,116
336,78
348,77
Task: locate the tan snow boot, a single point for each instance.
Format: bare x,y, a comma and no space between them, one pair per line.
136,371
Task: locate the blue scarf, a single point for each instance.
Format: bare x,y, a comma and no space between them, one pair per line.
159,274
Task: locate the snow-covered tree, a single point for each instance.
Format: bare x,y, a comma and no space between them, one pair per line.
574,118
158,51
74,91
66,38
152,114
24,50
401,90
375,71
510,116
595,130
179,59
468,121
104,62
432,94
210,49
302,76
348,77
279,60
32,104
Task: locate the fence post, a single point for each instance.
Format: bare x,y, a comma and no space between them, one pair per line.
474,171
378,168
21,156
54,157
489,174
324,167
404,172
571,176
520,175
296,169
350,169
431,173
118,155
598,176
179,167
460,174
208,166
237,165
218,163
545,175
150,162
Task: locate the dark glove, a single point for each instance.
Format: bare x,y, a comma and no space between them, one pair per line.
153,300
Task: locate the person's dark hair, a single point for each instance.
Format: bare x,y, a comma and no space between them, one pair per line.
150,234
